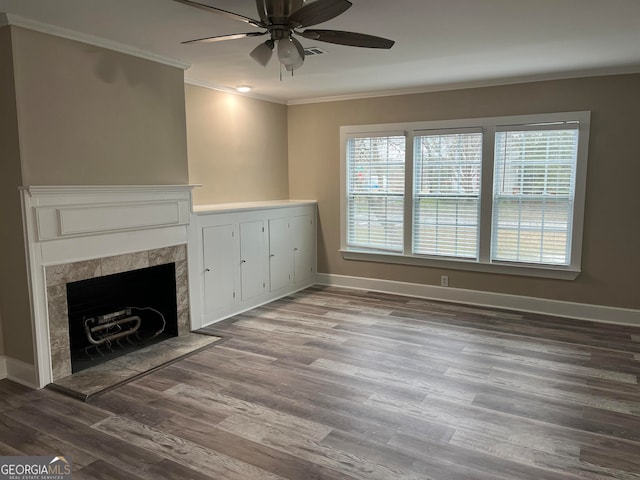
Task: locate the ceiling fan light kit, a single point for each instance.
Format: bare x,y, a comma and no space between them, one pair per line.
287,52
281,19
262,53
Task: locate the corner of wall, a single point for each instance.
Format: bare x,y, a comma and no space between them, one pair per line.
231,165
15,316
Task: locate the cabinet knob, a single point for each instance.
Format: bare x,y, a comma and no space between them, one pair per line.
272,255
207,270
243,261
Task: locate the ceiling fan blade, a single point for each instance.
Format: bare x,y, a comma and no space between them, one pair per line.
262,11
220,38
262,53
351,39
219,11
318,12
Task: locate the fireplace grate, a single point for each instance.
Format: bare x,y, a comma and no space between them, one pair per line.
104,322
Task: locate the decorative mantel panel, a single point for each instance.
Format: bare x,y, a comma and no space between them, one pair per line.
102,225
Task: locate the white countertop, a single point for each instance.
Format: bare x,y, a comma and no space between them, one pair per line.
241,206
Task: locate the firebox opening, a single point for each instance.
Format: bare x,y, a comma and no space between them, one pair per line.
117,314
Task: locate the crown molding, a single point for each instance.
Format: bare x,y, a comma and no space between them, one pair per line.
232,91
10,19
18,21
442,87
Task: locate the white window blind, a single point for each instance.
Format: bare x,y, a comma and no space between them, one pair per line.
375,170
498,194
533,194
446,193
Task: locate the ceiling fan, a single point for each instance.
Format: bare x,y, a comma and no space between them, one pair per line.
281,19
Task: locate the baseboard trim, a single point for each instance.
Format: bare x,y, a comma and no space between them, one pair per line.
21,372
3,367
580,311
251,306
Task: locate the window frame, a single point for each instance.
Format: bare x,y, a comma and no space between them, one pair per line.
483,263
445,132
347,192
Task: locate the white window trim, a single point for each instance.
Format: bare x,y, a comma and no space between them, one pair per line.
345,189
489,125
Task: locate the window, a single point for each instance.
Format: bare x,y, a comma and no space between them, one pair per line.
533,190
502,194
375,192
446,195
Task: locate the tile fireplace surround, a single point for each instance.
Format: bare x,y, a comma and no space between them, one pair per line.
81,232
57,277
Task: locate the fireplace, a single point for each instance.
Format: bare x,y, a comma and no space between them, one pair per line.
109,288
77,233
113,315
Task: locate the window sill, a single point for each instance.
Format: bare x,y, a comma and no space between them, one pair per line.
524,270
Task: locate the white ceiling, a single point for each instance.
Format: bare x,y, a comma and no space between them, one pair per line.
439,43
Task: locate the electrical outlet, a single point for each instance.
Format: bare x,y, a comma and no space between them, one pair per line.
444,280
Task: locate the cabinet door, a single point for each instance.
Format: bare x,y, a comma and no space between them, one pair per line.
280,254
220,265
252,259
303,234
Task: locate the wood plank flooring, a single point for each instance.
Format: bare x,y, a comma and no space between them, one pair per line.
341,384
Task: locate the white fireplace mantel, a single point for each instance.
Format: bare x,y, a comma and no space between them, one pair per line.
66,224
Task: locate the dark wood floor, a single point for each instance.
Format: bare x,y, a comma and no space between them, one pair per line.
337,384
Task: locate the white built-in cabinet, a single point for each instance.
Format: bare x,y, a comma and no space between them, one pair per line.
253,279
219,288
304,252
291,255
245,255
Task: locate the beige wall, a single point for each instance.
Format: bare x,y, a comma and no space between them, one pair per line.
87,116
237,147
94,116
14,294
611,259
